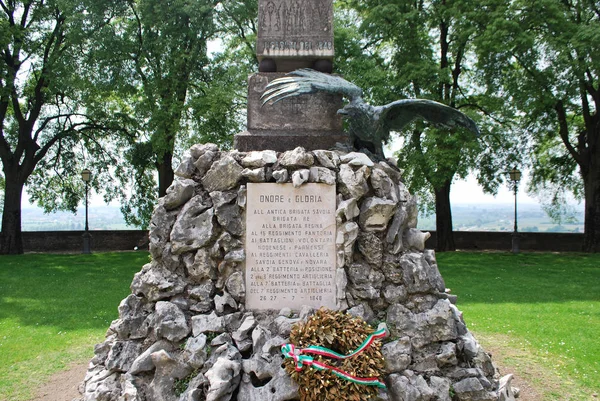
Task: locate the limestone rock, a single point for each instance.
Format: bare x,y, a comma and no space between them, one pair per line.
225,303
348,209
353,184
200,266
259,158
160,229
375,213
105,386
418,276
193,228
505,390
383,186
167,371
447,355
122,354
280,387
223,379
236,287
179,193
441,388
156,283
280,176
220,198
223,175
196,389
254,175
132,322
143,363
194,353
434,325
371,247
415,239
204,162
230,218
199,149
207,323
323,175
297,158
470,389
397,355
170,322
327,158
357,159
394,294
409,387
299,177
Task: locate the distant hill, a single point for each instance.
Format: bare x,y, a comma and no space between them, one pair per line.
99,218
466,217
500,217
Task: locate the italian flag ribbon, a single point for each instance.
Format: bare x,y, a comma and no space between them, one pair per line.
300,359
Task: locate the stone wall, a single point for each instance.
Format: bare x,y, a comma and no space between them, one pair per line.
124,240
72,242
502,241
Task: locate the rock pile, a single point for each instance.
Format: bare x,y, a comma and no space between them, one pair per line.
184,332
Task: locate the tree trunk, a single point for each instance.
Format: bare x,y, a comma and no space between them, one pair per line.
443,219
591,238
166,174
11,242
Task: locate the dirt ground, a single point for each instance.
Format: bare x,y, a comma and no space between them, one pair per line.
63,385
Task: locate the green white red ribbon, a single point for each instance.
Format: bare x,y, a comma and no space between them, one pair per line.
300,359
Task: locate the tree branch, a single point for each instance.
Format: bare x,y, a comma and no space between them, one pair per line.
563,131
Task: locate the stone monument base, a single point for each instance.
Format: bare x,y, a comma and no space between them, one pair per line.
285,140
187,331
301,121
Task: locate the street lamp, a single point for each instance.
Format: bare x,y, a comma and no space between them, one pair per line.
515,177
86,176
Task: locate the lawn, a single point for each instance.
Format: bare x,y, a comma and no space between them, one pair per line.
540,309
53,309
540,313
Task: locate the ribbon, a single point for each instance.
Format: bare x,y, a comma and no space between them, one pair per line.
300,359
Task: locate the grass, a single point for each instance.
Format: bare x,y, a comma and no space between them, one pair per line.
53,309
541,309
539,313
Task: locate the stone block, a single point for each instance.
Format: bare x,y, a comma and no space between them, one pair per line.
310,121
295,34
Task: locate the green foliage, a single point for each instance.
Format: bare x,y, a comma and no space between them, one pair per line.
46,133
545,302
543,57
180,385
426,50
44,328
156,67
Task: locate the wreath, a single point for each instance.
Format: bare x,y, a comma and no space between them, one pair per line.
335,356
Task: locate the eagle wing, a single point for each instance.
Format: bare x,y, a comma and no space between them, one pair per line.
398,114
304,81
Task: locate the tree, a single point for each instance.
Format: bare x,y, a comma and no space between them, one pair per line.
544,56
41,120
159,70
427,49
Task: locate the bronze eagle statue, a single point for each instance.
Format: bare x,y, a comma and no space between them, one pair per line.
369,126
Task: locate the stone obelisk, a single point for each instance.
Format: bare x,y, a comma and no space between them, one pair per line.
292,34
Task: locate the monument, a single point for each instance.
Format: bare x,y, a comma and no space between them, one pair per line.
292,34
248,243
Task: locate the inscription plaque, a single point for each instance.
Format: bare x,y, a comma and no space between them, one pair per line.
295,29
290,246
